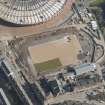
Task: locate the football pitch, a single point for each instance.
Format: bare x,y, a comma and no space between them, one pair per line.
48,65
51,55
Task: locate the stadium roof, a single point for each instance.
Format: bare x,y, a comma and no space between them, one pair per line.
26,12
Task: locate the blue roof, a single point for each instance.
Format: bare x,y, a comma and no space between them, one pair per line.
84,68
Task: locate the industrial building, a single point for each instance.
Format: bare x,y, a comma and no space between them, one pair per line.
84,68
63,81
3,98
29,93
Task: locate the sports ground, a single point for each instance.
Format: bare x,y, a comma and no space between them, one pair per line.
56,53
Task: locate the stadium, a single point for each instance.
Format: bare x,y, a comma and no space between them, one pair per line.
21,18
28,12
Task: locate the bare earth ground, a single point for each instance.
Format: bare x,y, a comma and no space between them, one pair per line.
29,30
62,49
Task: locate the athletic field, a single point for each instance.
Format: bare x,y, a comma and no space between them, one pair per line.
63,51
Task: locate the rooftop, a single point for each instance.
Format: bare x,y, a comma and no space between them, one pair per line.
25,12
3,98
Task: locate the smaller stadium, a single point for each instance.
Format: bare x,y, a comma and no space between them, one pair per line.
52,55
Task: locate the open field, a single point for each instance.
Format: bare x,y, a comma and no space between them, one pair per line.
66,51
